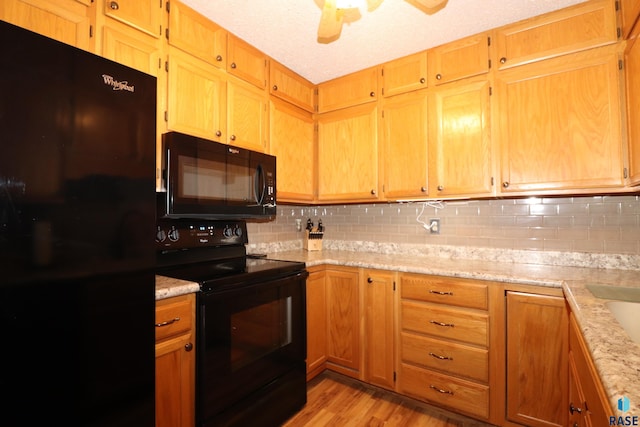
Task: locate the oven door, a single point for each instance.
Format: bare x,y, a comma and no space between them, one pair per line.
249,338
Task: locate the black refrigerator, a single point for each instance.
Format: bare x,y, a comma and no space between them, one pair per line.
77,216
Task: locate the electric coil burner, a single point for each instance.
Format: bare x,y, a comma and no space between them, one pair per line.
251,323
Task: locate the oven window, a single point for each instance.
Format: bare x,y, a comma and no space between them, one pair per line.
201,178
259,331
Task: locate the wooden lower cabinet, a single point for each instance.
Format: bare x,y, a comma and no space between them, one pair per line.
588,402
444,341
537,359
316,323
175,361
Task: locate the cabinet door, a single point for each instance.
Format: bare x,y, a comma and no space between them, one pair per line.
459,59
247,113
343,317
632,64
459,140
353,89
560,123
143,15
348,154
196,97
537,359
246,62
287,85
577,407
197,35
554,33
404,122
629,12
316,324
128,46
404,74
292,142
68,21
379,342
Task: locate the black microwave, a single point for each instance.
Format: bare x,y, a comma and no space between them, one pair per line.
209,180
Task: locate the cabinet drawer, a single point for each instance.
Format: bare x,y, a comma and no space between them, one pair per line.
444,390
443,322
173,316
460,292
445,356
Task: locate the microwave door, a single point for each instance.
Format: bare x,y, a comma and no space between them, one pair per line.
259,185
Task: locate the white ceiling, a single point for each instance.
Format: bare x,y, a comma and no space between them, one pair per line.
286,30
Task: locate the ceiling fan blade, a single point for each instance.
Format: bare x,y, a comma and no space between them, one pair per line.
428,6
373,4
330,22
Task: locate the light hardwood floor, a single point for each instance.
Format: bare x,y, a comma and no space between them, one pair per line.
336,400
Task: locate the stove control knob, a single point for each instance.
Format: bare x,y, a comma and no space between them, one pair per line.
238,232
228,232
174,235
161,235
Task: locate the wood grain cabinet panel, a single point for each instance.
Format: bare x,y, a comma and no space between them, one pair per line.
316,323
290,87
404,74
459,59
446,290
68,21
537,359
247,62
632,73
353,89
197,35
554,33
247,116
143,15
560,123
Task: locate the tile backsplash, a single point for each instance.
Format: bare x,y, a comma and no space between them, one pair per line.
590,224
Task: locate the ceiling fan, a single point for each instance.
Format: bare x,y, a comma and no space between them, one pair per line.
336,12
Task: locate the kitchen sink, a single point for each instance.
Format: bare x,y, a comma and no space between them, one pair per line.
615,292
628,315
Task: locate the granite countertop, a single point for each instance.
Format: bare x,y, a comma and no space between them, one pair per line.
616,357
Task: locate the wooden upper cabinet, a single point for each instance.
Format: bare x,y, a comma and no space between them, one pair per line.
348,154
556,33
404,145
353,89
196,97
247,113
560,123
247,62
291,140
289,86
127,46
459,59
629,12
632,64
143,15
459,140
197,35
68,21
404,74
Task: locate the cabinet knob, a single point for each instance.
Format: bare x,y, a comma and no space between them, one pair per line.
218,133
505,184
440,188
423,189
114,5
188,346
503,60
373,192
233,65
372,94
219,58
232,137
275,87
422,80
573,409
438,76
369,280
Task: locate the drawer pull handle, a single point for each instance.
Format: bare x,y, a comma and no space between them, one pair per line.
437,356
439,390
441,324
168,322
431,291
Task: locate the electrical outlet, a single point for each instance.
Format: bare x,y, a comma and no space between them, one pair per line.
434,225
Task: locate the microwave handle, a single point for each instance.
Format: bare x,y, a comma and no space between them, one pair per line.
259,181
